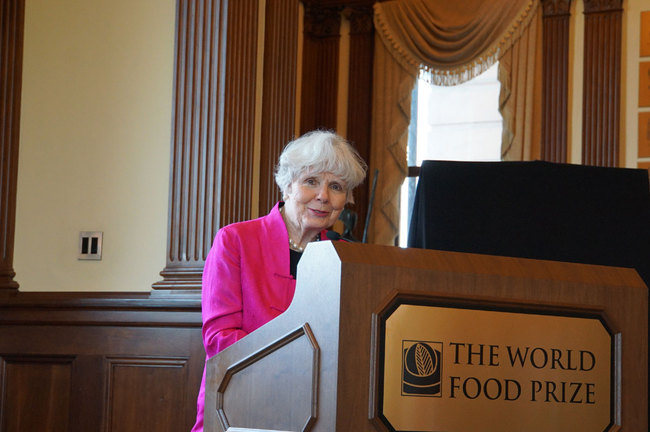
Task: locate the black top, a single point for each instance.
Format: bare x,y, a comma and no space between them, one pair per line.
294,257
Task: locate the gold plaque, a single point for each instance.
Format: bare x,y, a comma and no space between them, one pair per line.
455,369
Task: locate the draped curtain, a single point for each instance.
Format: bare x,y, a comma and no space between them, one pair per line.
449,43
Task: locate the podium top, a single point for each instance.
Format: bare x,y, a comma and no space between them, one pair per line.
325,254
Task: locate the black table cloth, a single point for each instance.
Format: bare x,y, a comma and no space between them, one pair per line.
536,210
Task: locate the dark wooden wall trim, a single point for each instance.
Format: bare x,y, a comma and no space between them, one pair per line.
320,68
74,362
240,86
555,79
279,92
100,309
362,39
12,16
602,82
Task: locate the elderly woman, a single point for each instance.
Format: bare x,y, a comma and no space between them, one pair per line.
249,275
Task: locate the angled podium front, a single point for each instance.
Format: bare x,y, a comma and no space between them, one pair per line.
386,339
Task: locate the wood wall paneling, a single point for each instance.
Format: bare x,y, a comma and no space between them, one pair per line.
320,67
237,144
279,92
360,99
12,14
35,393
146,391
602,75
555,82
79,362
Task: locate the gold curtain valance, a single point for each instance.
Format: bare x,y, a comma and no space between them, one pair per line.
451,41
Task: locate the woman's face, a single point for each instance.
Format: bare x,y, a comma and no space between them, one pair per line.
314,201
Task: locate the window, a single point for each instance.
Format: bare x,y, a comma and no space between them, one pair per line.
451,123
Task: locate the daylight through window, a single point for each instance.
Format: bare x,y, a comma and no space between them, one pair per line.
451,123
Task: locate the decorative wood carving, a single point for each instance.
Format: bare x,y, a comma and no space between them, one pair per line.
595,6
555,83
602,75
212,133
361,20
320,68
556,7
322,22
279,92
12,14
344,3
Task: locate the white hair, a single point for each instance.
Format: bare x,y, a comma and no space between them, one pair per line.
318,152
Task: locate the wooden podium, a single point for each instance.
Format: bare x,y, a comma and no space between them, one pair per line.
321,365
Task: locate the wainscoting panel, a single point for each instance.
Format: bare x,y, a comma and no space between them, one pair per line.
78,362
146,391
35,393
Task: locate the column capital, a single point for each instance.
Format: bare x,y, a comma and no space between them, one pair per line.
596,6
361,19
322,22
556,7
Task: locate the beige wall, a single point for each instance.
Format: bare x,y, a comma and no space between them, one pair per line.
95,139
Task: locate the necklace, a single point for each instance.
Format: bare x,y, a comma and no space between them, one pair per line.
296,247
292,244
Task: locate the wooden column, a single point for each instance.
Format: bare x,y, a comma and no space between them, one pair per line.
360,99
12,15
212,132
602,75
320,67
279,92
237,143
555,84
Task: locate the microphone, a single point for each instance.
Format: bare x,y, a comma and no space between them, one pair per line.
334,236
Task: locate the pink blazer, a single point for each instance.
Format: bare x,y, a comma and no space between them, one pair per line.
246,283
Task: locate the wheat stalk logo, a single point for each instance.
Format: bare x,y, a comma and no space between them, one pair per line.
421,368
423,361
